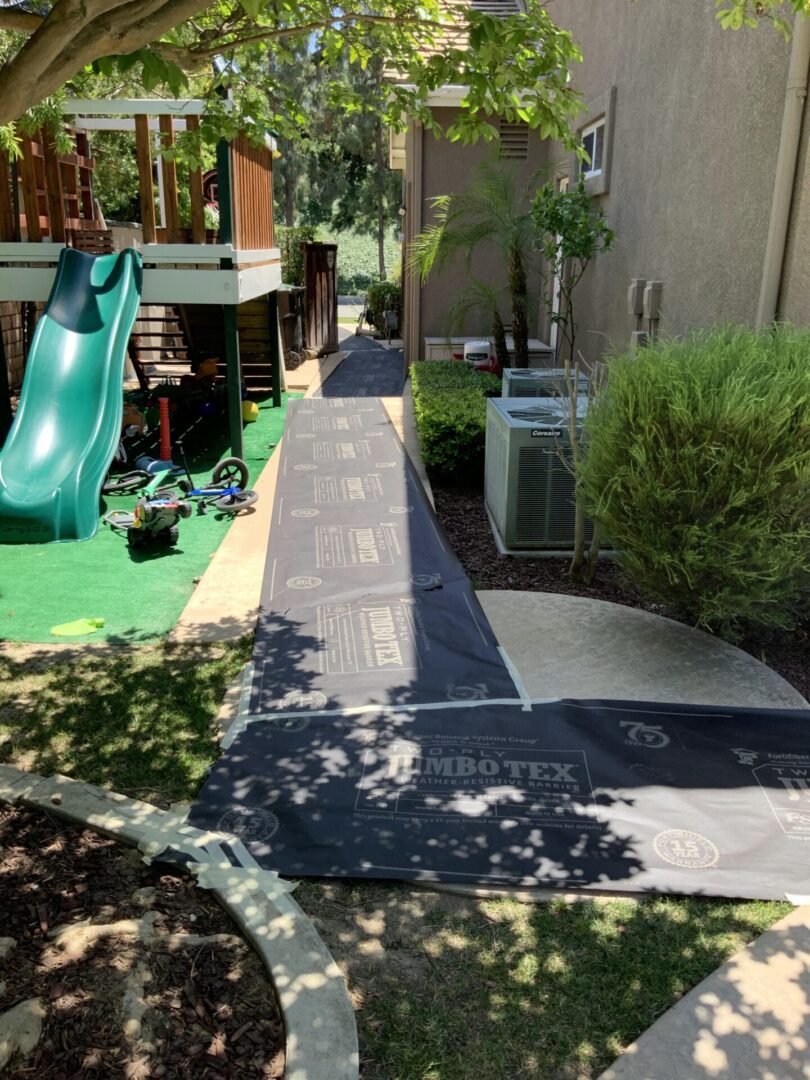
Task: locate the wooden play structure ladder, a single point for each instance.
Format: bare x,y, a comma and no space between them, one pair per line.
202,324
158,339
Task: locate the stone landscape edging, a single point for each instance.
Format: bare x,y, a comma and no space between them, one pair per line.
320,1026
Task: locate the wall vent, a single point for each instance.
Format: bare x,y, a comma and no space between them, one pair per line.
499,8
514,141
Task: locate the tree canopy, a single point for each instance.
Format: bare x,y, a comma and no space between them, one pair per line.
516,67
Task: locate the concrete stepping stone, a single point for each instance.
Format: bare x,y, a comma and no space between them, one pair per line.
749,1020
576,647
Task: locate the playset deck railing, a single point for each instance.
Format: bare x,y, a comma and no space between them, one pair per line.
53,199
54,194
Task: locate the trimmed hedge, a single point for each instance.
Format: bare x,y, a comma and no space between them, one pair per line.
697,466
450,406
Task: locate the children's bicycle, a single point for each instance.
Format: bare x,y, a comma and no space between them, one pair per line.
228,491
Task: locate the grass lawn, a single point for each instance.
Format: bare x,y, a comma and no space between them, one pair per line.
137,720
140,594
445,988
453,989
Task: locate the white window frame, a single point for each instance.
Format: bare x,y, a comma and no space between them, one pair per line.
586,172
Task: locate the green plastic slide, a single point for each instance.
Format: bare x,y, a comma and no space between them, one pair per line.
68,423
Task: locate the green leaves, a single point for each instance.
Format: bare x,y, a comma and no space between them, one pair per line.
736,14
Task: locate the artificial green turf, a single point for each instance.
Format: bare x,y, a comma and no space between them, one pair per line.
139,594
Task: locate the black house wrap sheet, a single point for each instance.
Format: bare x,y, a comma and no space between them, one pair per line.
386,738
363,600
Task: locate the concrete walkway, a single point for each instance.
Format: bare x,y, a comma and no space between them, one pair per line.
750,1020
225,604
368,370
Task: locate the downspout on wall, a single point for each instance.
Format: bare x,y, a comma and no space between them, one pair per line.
785,177
412,285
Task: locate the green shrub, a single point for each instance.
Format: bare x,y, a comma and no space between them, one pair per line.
289,241
697,467
383,296
450,406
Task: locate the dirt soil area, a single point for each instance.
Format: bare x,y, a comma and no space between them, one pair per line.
112,969
461,512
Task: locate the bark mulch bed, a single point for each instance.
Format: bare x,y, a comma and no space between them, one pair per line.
138,973
461,512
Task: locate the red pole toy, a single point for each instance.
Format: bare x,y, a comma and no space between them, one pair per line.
165,430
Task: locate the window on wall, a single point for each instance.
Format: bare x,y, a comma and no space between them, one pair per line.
593,143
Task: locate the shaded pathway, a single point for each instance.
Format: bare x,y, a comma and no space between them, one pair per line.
369,370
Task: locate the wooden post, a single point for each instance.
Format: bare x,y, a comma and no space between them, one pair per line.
5,393
53,188
234,377
30,197
275,347
224,190
196,191
143,150
7,230
169,170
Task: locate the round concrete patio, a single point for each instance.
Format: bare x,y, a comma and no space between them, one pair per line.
576,647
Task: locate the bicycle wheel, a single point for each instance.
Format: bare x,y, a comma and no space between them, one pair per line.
127,482
230,472
232,504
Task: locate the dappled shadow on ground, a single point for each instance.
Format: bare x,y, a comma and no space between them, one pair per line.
448,988
138,720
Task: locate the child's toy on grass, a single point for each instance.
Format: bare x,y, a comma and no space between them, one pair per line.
227,491
78,627
154,519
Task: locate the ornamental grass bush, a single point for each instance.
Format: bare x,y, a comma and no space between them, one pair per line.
697,467
450,406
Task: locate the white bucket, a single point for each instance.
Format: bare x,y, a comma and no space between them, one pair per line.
476,352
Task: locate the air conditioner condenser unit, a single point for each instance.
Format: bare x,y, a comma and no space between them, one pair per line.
539,382
529,489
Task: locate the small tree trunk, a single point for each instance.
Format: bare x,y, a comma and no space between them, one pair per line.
289,201
593,555
501,351
380,201
578,558
520,321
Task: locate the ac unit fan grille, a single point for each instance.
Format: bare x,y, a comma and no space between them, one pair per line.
545,505
534,414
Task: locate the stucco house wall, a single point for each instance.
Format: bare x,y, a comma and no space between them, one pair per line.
448,167
794,297
694,129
